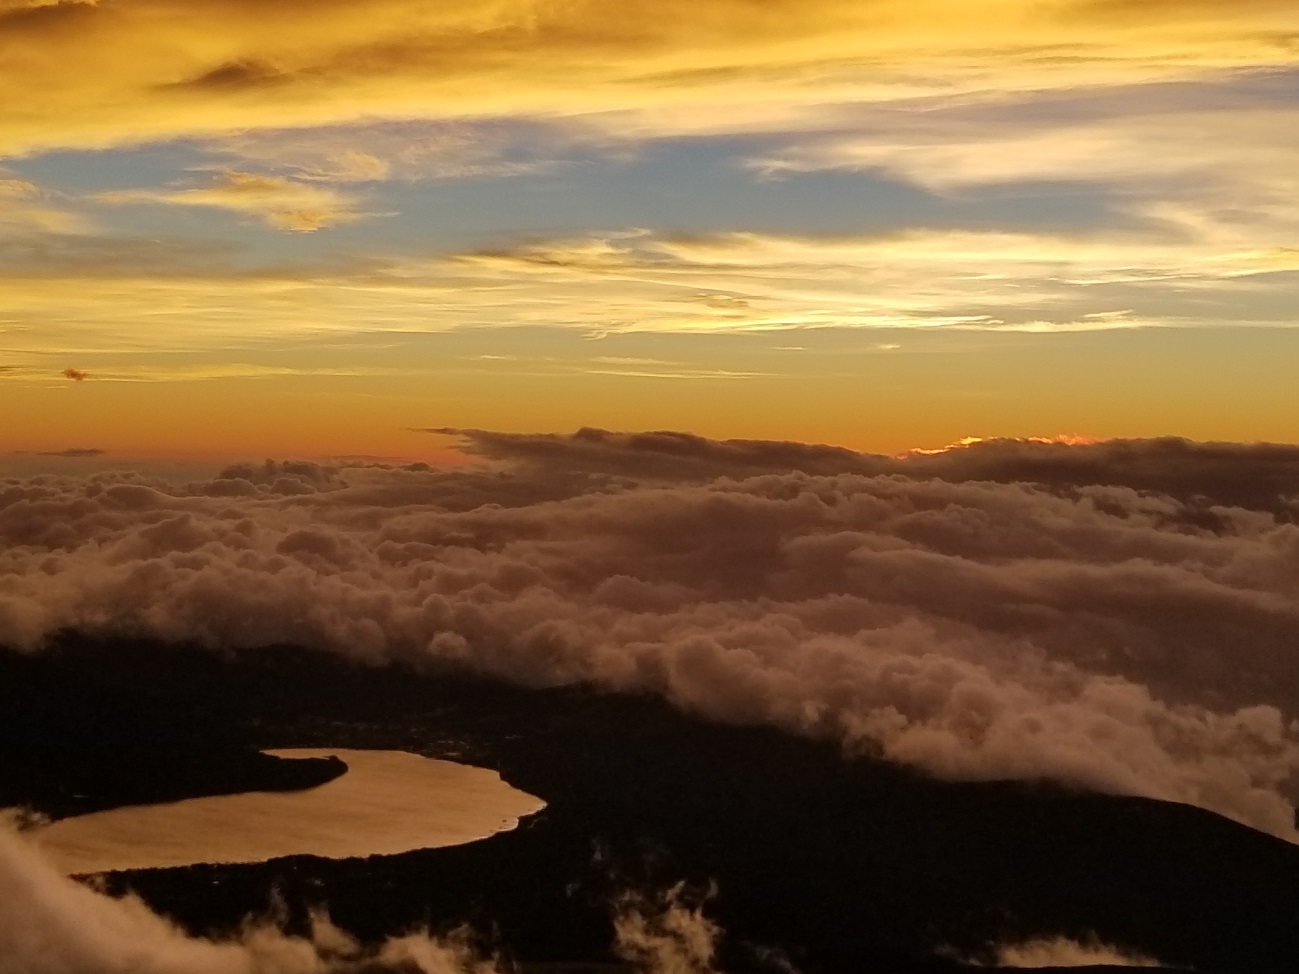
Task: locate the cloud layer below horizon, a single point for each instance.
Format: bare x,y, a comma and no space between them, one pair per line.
1126,623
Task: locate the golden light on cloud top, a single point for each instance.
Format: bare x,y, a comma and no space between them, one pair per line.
126,71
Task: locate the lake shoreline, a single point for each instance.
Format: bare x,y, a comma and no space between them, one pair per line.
388,802
78,738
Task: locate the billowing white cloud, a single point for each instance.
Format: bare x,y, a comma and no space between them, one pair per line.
53,925
1087,631
665,934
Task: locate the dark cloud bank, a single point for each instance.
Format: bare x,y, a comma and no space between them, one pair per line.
1121,615
72,453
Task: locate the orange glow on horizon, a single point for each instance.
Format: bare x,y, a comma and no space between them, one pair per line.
307,229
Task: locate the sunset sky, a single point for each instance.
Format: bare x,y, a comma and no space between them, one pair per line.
306,229
915,377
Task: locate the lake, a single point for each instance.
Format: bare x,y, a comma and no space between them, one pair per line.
387,802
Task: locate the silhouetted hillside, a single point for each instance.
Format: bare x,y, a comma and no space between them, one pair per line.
834,865
80,732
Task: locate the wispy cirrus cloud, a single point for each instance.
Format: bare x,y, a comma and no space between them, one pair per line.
26,208
1205,166
645,282
300,110
145,70
679,170
375,151
915,278
284,204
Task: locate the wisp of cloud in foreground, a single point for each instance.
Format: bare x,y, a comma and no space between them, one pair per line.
1120,616
54,925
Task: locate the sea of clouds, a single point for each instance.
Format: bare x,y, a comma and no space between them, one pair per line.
1122,615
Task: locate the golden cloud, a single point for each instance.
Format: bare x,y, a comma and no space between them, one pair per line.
641,282
25,207
920,278
285,204
1223,176
129,71
371,151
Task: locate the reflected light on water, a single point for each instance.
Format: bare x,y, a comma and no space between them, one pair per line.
387,802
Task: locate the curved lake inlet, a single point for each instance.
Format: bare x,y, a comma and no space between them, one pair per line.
387,802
